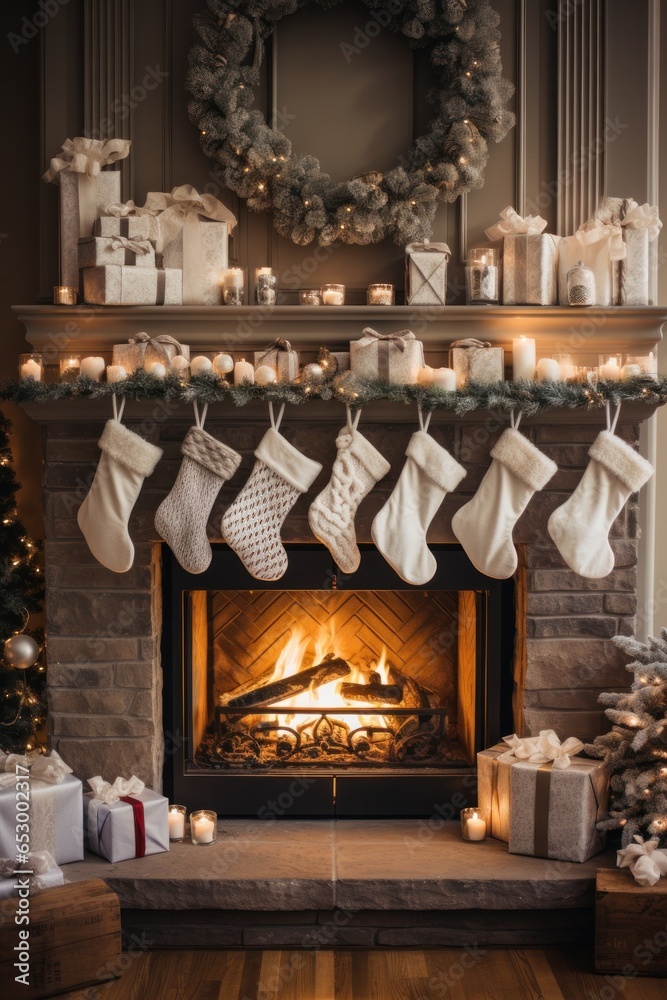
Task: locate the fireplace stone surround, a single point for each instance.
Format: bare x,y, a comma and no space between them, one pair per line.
105,673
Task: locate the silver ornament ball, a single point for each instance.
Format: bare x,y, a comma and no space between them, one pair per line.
21,651
312,373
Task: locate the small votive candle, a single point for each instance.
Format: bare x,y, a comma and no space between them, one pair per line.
70,367
473,826
233,286
156,368
547,370
333,295
92,368
609,368
116,373
482,277
223,364
243,370
635,365
31,366
444,378
265,375
177,816
266,284
203,827
380,295
310,297
523,358
201,365
425,376
65,295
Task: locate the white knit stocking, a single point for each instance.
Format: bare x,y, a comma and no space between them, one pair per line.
356,470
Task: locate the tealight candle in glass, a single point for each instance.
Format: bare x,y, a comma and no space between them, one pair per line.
203,827
609,368
266,285
70,367
310,297
31,366
635,365
233,286
473,827
568,370
333,295
380,295
482,277
177,816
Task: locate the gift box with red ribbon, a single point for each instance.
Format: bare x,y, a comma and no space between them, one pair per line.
125,819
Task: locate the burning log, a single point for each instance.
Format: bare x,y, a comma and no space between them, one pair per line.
414,695
373,693
330,669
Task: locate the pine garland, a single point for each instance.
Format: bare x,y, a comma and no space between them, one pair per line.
470,100
528,398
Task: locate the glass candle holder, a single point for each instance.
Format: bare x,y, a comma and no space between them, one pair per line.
31,366
580,285
233,286
177,818
333,295
636,365
568,370
482,277
203,827
65,295
310,297
70,367
609,367
266,286
380,295
473,827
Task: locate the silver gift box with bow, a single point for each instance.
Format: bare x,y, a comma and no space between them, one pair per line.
640,225
530,259
127,285
96,251
281,357
110,823
476,361
142,350
426,273
393,357
124,219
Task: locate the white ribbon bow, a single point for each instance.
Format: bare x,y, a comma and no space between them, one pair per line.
513,224
39,863
400,339
645,859
643,217
51,769
138,247
595,230
86,156
542,749
111,793
176,209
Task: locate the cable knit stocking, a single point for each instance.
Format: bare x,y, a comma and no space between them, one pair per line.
356,470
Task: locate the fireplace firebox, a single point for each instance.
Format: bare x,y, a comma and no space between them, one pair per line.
326,695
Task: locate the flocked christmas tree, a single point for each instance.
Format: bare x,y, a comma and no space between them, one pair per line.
636,747
22,671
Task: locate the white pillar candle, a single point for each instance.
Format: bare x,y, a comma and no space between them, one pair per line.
176,824
425,375
156,368
116,373
265,375
31,369
567,371
201,365
547,370
476,828
242,370
630,371
611,370
92,368
444,378
233,277
179,364
223,364
203,829
523,358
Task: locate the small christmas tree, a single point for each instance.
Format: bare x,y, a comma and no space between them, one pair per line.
636,748
22,680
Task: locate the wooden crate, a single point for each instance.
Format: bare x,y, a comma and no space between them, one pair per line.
630,925
74,940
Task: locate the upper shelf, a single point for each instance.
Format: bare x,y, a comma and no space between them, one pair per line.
557,328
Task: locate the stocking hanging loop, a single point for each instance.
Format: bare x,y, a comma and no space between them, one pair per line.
515,419
424,420
612,421
118,410
276,423
200,419
352,421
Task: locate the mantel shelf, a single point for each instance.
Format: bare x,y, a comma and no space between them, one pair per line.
559,328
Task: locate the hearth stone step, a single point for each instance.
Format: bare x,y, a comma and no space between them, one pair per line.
348,866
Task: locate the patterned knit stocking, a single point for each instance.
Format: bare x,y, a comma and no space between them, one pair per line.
356,470
252,524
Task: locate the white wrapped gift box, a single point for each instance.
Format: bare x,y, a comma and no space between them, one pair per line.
132,825
127,285
393,357
95,251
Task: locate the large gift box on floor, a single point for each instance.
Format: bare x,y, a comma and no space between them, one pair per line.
85,192
127,285
125,820
55,797
530,259
394,357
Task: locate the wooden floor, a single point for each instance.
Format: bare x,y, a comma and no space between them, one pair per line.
452,973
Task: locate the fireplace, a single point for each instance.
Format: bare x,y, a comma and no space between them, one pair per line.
339,696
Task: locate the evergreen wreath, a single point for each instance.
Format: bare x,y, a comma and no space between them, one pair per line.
256,161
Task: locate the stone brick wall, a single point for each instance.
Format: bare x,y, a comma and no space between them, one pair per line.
105,674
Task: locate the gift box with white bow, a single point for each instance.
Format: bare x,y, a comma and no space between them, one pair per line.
476,361
393,357
85,191
52,795
599,245
44,874
530,259
142,350
96,251
125,819
279,356
120,219
640,225
426,273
